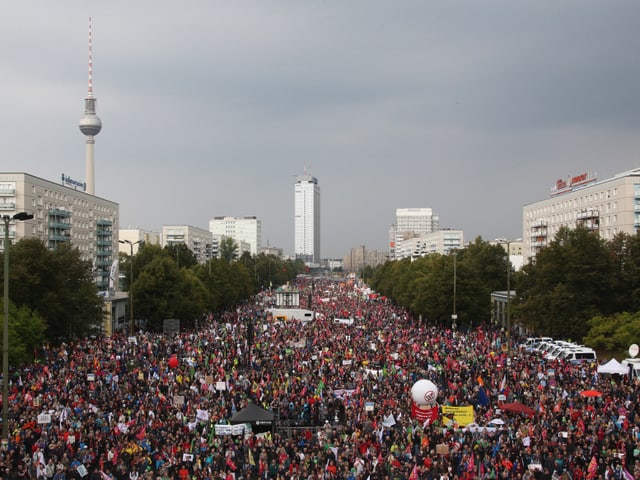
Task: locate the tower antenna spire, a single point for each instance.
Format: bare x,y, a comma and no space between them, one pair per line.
90,124
90,91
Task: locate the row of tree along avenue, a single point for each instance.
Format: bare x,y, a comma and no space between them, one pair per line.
579,287
54,299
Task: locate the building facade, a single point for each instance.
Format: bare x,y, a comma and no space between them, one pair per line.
63,215
136,237
411,223
606,207
360,257
247,230
307,219
441,241
198,240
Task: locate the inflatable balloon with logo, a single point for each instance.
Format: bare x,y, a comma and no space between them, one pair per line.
424,395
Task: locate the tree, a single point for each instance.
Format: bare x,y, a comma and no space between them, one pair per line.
181,254
215,277
26,332
625,250
228,249
572,281
157,292
191,301
614,333
58,285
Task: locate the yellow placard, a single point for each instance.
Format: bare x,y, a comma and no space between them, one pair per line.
463,416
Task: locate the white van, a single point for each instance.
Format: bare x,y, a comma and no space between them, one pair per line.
532,342
580,355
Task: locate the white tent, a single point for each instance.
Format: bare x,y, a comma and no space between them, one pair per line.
613,366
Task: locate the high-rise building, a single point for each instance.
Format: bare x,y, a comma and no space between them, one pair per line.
307,219
411,223
605,207
242,230
90,124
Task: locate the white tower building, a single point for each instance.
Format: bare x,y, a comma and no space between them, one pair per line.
90,124
307,219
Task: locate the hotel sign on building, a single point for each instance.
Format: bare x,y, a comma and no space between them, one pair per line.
568,184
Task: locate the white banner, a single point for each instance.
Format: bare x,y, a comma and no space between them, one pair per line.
229,429
44,418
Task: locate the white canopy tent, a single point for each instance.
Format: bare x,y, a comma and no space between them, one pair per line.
613,366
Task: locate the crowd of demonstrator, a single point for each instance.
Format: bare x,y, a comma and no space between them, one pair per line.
146,408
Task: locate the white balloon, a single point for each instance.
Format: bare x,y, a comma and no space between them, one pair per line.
424,392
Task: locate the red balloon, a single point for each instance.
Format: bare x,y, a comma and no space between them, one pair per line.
173,361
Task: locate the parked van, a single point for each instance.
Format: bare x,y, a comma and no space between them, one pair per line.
580,355
532,342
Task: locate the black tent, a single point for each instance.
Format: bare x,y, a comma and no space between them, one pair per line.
254,414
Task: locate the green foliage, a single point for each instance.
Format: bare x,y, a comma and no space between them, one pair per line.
426,285
572,281
576,288
614,333
58,285
26,331
228,249
181,254
156,292
226,284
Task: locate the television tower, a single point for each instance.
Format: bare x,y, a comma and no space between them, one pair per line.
90,124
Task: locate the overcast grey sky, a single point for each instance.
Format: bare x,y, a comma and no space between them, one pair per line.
473,108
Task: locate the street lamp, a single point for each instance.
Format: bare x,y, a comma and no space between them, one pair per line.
131,245
22,216
454,315
508,244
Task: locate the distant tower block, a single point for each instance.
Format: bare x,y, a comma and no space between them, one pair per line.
90,124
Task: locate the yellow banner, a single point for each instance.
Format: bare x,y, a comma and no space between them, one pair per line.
463,416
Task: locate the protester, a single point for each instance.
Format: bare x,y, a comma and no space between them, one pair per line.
147,407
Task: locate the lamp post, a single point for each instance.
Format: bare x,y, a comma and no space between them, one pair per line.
508,244
131,244
454,315
22,216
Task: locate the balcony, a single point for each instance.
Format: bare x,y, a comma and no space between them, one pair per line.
7,192
59,224
59,237
7,206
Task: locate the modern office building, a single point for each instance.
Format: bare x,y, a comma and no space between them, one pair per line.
605,207
246,230
411,223
63,215
440,241
198,240
307,219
